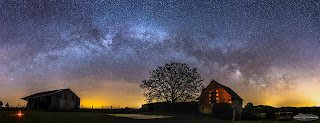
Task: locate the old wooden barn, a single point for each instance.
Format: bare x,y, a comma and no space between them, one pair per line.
56,100
217,93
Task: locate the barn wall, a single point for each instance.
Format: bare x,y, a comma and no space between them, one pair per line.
237,106
31,105
64,100
55,104
205,105
68,100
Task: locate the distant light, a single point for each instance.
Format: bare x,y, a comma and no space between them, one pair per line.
19,114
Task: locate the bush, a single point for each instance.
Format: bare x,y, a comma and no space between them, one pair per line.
222,111
249,115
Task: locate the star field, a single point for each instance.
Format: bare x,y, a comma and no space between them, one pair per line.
265,50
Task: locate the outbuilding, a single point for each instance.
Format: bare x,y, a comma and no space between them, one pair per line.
56,100
218,93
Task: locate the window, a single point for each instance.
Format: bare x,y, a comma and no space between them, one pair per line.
230,101
217,90
210,96
217,94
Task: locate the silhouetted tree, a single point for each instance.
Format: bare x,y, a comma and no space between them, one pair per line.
249,106
7,105
1,104
250,112
173,82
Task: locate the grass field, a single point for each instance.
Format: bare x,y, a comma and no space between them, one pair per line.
91,117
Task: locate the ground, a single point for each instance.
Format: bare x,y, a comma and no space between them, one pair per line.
92,117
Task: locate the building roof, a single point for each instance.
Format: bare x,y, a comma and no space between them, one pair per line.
46,93
229,90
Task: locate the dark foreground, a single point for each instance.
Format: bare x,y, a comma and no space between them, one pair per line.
91,117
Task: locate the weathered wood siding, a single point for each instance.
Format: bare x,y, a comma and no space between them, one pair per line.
65,100
237,106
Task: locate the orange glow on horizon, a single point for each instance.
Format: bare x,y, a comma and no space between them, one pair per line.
99,104
117,94
122,94
304,93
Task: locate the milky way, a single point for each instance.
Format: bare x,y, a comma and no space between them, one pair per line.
264,50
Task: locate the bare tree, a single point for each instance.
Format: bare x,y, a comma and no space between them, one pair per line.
1,104
173,82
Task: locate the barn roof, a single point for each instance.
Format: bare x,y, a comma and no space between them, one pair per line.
46,93
229,90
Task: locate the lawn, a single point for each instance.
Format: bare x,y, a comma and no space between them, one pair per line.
91,117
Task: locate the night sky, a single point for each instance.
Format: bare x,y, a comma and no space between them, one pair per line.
267,51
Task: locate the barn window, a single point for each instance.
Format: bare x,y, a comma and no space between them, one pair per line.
217,94
209,96
217,99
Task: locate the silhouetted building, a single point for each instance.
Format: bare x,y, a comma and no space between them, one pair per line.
250,112
56,100
310,110
217,93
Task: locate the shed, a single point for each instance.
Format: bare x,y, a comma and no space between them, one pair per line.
56,100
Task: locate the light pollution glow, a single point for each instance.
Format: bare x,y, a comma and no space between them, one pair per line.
131,96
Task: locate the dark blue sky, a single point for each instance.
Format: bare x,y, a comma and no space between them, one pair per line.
262,49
